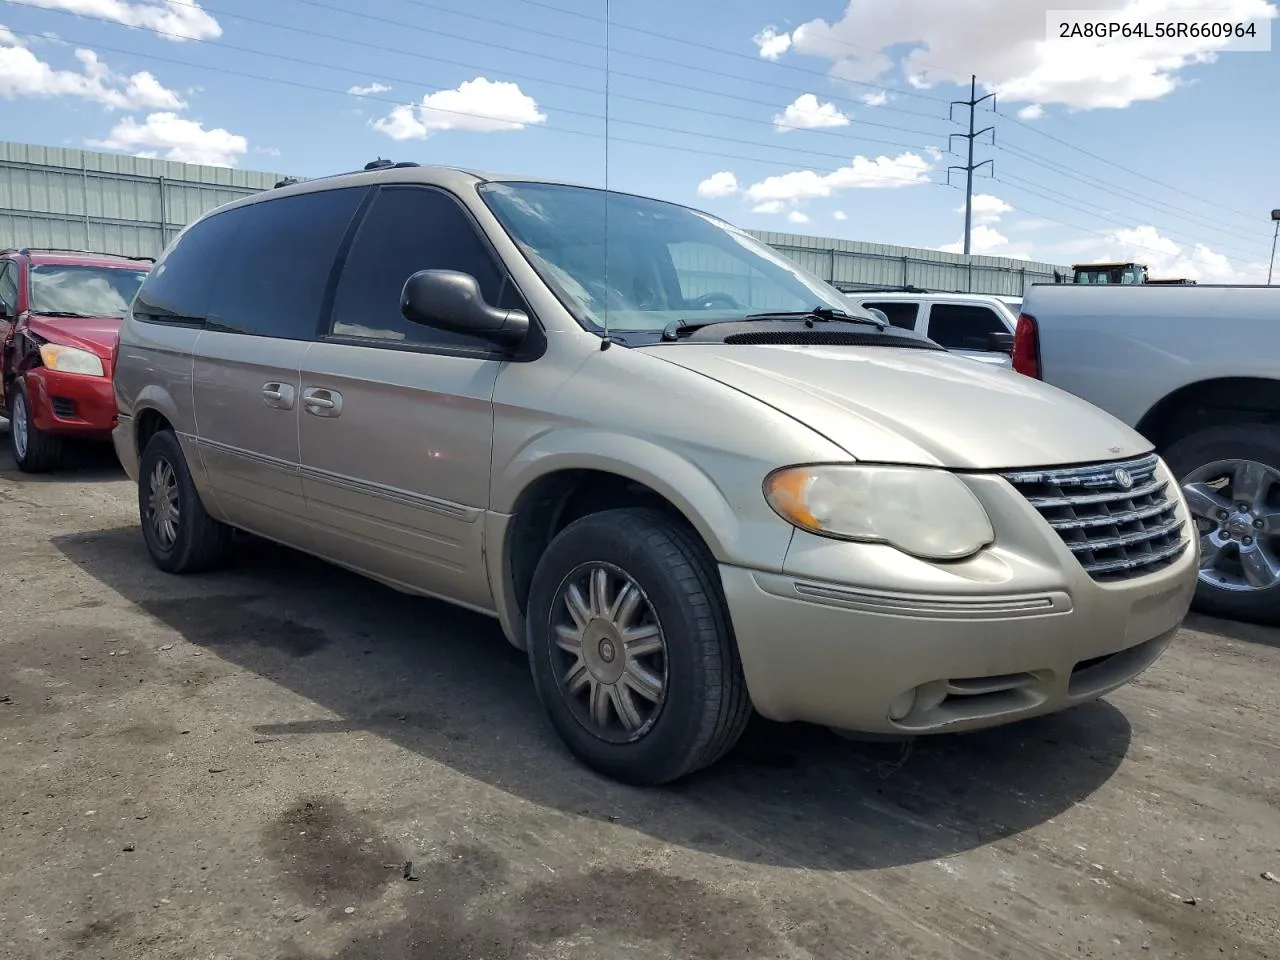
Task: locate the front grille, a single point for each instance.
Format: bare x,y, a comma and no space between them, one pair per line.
63,408
1117,518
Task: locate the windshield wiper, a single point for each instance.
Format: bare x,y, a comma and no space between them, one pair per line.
64,313
675,328
826,314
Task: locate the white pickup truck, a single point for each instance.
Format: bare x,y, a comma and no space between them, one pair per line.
978,325
1196,370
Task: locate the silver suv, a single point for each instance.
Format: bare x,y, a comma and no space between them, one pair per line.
666,459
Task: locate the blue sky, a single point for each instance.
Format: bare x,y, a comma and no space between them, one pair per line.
825,117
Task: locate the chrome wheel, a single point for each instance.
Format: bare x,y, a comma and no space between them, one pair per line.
162,504
610,654
1236,505
18,424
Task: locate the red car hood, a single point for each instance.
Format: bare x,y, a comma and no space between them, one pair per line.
95,334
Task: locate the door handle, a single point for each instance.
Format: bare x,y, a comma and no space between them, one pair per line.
279,395
320,402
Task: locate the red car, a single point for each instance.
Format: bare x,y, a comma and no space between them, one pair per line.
60,314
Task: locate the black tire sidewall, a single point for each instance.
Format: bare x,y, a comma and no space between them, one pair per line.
165,444
1258,442
664,751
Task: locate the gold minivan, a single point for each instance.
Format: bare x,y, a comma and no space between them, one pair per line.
689,478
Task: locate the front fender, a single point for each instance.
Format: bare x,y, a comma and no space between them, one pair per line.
737,525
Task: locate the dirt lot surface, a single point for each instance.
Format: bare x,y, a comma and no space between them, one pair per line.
239,765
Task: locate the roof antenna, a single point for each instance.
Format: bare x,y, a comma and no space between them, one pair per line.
605,341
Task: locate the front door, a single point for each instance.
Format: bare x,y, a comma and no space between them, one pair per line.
396,424
264,314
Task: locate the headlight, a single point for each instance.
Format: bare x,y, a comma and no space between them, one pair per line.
64,359
927,513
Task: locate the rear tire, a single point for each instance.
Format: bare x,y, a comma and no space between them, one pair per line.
180,535
650,649
1231,478
34,450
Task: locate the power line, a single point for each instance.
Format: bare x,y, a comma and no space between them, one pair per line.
670,38
968,169
382,48
790,164
1168,186
1207,223
1109,237
1099,212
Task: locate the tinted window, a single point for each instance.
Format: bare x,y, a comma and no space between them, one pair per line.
177,288
406,230
8,287
963,327
900,314
90,291
273,284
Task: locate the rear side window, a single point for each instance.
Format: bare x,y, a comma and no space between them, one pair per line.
273,282
900,313
963,327
178,287
406,230
8,287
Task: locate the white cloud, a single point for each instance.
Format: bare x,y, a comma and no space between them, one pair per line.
175,138
479,105
876,99
769,207
987,208
365,91
982,240
1031,112
1005,44
1165,258
771,43
23,74
720,184
267,151
795,216
904,170
176,20
840,215
806,113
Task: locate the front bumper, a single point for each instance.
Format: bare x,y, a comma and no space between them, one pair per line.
70,403
917,648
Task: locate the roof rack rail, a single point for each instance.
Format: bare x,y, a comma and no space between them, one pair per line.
286,182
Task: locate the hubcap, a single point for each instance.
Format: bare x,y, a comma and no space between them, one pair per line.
610,653
18,425
162,503
1236,504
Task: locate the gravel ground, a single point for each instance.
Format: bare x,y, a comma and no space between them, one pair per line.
240,765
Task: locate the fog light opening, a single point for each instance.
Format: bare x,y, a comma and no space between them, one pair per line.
901,705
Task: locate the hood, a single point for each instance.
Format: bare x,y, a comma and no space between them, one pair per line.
894,405
95,334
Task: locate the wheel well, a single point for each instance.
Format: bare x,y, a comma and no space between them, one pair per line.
1211,403
150,422
554,501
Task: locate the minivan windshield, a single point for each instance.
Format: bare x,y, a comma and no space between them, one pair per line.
83,291
664,262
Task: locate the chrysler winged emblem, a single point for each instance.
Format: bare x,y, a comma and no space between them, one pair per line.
1122,478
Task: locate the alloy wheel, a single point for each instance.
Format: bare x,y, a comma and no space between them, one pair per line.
1236,505
609,653
18,424
162,503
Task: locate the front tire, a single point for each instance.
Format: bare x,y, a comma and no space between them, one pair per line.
631,648
180,535
1231,479
34,450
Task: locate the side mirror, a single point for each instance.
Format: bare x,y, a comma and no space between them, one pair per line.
450,300
1000,343
878,314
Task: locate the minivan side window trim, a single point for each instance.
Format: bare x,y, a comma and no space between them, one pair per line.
535,343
